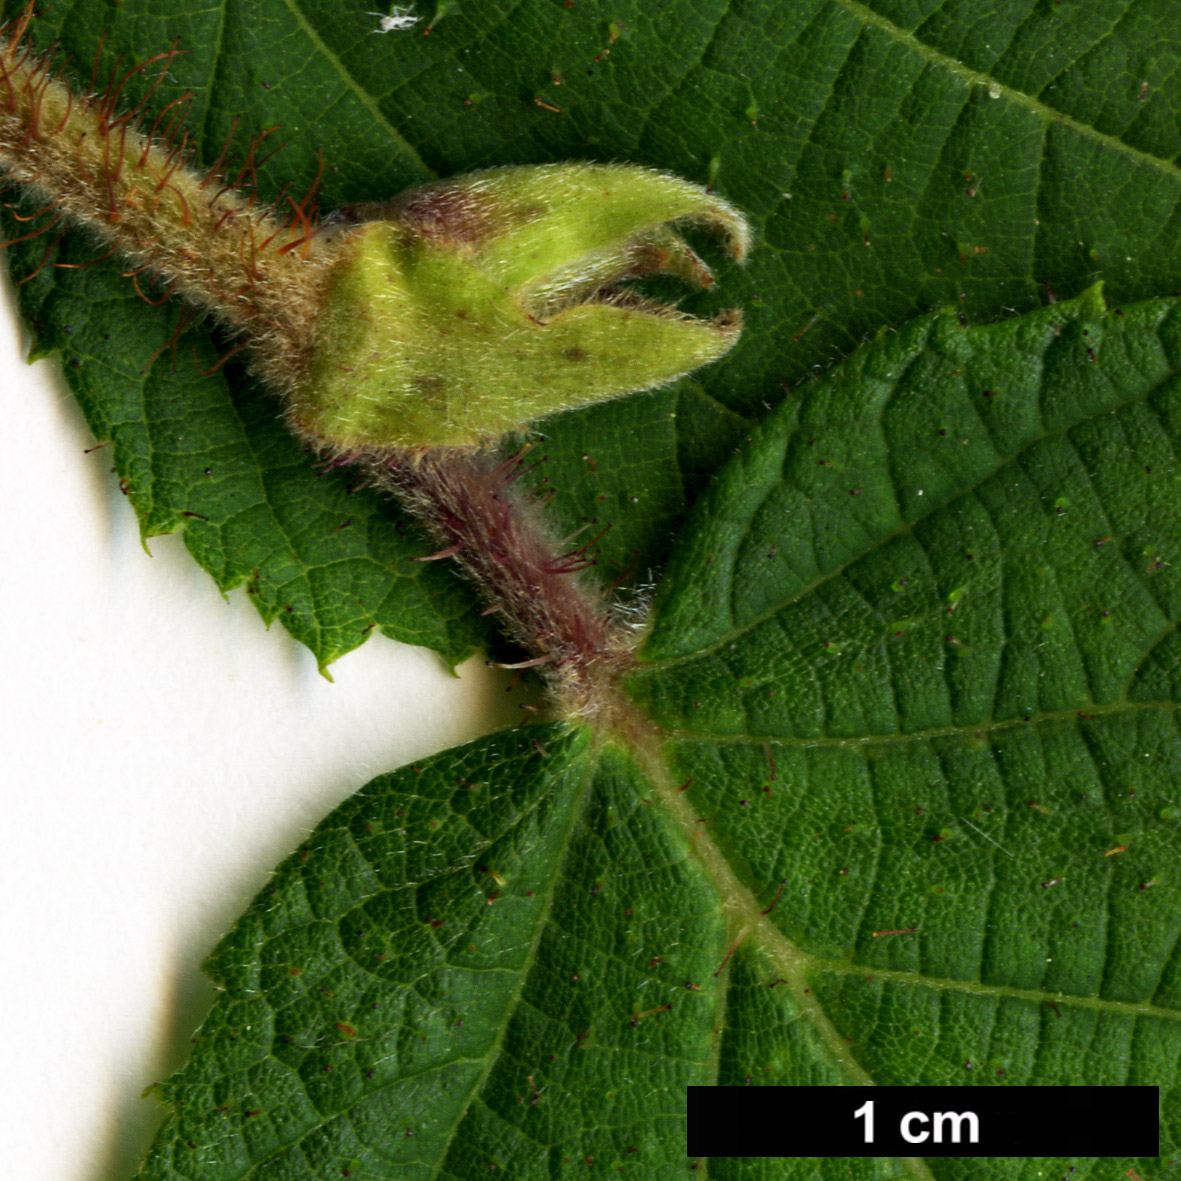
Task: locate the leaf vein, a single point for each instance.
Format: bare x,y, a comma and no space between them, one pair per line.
359,92
901,529
971,77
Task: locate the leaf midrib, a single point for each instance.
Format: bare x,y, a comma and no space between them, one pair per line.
747,918
797,966
589,766
357,90
905,527
996,88
205,105
1132,1009
1081,713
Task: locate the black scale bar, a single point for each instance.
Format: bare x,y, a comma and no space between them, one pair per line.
924,1121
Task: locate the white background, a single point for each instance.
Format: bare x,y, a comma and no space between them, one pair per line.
160,752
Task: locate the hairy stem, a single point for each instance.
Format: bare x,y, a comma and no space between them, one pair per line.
404,336
269,278
475,516
206,241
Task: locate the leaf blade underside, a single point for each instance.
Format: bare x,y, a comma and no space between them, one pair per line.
912,875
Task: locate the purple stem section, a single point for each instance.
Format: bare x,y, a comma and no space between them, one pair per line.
475,516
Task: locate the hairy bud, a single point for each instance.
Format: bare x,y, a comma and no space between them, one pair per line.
464,310
445,318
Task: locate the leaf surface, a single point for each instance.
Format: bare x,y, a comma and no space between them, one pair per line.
909,816
454,976
857,622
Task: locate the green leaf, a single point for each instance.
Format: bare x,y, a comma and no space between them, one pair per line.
206,453
200,447
896,158
915,657
910,816
475,965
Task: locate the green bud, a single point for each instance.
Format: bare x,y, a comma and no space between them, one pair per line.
461,311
